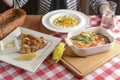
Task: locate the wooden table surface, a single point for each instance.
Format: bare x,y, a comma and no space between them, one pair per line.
57,71
34,22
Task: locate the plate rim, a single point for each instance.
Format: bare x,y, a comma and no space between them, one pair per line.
30,67
46,17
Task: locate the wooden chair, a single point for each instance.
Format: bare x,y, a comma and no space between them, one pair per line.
85,8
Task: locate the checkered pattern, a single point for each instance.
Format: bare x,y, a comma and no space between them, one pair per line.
51,71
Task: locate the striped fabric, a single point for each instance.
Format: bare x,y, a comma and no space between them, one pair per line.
73,4
118,7
19,3
45,5
95,4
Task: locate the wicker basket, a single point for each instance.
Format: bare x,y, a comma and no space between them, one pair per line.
10,20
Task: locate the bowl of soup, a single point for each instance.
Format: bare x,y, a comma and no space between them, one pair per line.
90,41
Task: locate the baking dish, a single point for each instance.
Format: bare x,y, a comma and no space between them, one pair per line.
95,49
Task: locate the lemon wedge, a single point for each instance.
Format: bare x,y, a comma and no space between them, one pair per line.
28,56
58,52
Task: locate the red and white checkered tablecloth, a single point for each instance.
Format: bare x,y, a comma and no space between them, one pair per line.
57,71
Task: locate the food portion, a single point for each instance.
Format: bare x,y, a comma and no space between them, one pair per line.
89,39
10,44
29,56
58,52
30,44
10,20
66,21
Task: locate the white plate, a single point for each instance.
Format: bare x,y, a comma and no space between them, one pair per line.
30,65
47,20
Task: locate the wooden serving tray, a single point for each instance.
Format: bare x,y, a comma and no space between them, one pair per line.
84,65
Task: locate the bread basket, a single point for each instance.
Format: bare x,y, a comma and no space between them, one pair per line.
10,20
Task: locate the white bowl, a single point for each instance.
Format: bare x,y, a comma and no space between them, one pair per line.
9,46
91,50
48,18
52,18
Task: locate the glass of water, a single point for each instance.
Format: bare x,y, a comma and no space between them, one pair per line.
108,20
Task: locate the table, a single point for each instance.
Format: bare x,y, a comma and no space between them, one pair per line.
57,71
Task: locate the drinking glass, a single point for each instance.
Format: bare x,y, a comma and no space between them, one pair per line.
108,20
